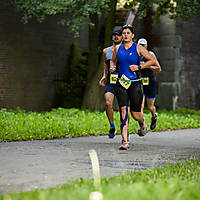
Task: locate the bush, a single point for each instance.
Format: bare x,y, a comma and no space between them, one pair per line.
71,89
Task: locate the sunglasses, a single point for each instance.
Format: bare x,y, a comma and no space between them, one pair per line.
127,26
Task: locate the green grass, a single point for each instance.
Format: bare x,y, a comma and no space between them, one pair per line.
17,125
172,182
178,182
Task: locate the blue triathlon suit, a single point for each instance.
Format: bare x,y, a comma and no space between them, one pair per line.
150,87
109,87
132,96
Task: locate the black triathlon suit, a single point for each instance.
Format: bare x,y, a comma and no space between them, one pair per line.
129,92
149,82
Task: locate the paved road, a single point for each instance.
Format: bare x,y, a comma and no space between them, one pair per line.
42,164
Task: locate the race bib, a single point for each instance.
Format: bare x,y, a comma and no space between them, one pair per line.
145,81
126,84
113,78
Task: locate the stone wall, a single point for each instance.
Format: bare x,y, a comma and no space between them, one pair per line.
189,75
32,56
168,53
179,56
177,46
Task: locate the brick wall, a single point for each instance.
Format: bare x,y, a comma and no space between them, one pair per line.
31,57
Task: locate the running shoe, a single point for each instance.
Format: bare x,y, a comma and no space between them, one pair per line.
124,146
142,131
112,133
153,122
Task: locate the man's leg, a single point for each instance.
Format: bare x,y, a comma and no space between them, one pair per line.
142,106
136,100
151,96
123,102
138,116
151,107
124,113
109,97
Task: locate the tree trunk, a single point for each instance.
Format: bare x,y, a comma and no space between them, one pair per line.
93,97
110,22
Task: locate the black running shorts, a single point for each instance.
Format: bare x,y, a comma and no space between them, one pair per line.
150,90
110,88
132,96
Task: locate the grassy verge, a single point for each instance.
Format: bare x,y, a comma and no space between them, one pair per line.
20,125
173,182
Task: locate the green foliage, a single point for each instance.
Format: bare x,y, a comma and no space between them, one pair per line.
179,181
74,13
20,125
182,9
185,9
72,89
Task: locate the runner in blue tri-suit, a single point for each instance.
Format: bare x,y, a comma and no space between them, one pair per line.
149,85
109,92
129,90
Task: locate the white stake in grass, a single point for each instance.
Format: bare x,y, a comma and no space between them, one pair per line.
95,167
96,196
96,175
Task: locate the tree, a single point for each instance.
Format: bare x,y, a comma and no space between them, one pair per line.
182,9
74,13
93,93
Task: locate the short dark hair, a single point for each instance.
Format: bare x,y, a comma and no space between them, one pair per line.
130,27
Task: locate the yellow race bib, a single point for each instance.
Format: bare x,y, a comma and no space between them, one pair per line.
113,78
125,81
145,81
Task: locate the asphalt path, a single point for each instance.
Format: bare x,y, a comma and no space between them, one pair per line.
48,163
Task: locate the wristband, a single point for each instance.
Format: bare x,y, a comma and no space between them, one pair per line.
139,67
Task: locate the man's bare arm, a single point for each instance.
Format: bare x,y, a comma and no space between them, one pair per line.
105,68
142,51
157,66
113,60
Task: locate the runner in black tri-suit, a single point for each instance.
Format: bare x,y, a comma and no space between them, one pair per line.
149,85
129,85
